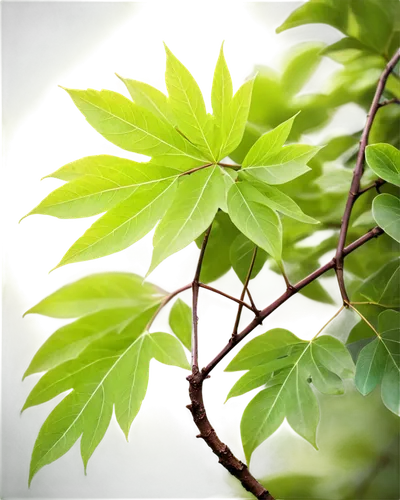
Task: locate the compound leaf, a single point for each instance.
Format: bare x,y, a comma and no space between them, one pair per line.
384,160
386,212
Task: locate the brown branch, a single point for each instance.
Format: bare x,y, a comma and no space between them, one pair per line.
246,284
256,311
357,174
227,165
376,231
226,457
389,101
220,292
375,185
195,299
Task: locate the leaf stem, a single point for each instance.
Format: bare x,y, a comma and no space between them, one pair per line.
357,174
220,292
375,185
373,233
328,322
195,299
389,101
165,301
246,284
191,171
364,319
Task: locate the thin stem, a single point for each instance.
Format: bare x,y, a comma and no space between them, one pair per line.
227,165
195,299
375,185
375,232
230,297
246,283
165,301
256,311
389,101
372,303
364,319
328,322
188,172
357,174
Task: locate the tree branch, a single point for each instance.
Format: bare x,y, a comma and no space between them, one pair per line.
376,231
226,457
357,174
195,298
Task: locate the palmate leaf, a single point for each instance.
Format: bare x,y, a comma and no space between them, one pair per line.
104,183
287,365
103,358
379,362
255,220
198,198
384,160
131,127
386,212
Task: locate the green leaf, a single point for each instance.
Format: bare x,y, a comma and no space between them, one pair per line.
103,187
131,127
288,365
241,254
273,198
269,143
96,292
238,114
187,104
150,98
124,224
386,212
192,211
258,222
168,350
384,160
284,166
263,349
379,362
221,97
180,320
382,288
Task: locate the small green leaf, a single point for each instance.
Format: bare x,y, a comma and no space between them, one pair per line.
96,292
386,212
379,362
273,198
241,254
269,143
258,222
238,114
221,97
167,349
384,160
150,98
192,211
187,104
278,168
180,321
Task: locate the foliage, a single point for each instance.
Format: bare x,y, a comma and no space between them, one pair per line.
244,186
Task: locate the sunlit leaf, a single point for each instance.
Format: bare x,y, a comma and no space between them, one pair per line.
384,160
386,212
